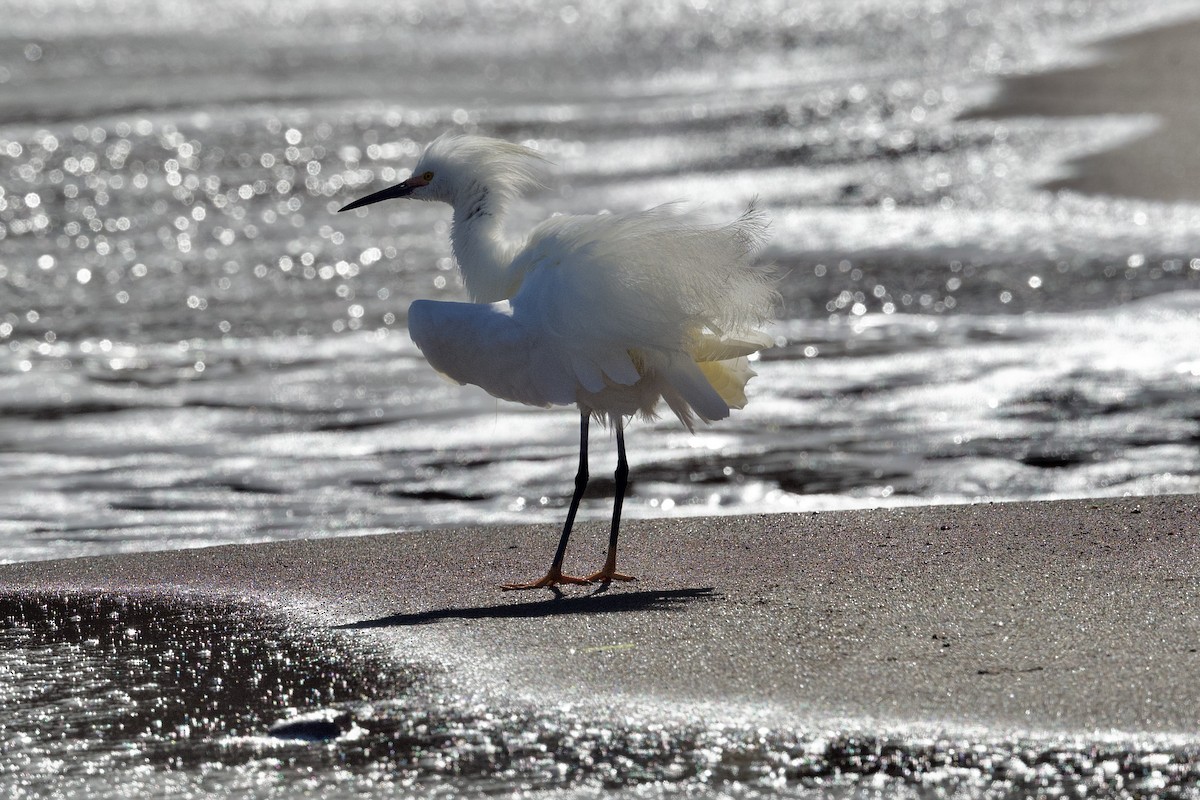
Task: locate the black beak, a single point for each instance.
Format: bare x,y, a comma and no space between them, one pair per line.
390,193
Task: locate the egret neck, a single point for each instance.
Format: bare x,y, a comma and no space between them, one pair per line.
485,257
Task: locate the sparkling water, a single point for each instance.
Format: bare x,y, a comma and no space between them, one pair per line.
194,348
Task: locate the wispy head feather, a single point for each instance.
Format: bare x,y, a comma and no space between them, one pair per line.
503,168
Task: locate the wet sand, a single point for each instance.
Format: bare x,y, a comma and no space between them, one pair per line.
1150,72
1069,616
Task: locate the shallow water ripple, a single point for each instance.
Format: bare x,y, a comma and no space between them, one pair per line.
115,696
285,438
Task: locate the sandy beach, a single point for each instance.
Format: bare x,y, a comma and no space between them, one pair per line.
1071,616
1147,73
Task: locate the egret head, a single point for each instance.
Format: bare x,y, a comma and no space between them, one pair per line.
457,168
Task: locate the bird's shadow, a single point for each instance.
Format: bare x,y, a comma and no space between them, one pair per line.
595,603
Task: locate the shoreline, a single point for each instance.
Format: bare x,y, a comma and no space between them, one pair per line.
1072,617
1149,72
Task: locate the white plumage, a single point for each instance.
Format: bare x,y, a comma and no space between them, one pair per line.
609,312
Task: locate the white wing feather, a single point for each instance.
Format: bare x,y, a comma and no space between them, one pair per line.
611,297
480,344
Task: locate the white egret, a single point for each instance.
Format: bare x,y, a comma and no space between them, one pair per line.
611,313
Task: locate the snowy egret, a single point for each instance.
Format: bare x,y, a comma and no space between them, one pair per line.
611,313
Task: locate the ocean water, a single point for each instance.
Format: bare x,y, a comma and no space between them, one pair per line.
196,349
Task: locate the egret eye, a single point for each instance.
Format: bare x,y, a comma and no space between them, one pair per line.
428,176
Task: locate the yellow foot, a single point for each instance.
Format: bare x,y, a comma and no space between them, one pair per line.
607,576
553,578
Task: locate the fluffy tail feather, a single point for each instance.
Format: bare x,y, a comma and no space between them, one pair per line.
689,393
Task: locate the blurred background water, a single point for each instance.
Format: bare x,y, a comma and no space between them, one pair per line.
195,349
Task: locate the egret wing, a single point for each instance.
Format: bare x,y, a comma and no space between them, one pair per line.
481,344
610,298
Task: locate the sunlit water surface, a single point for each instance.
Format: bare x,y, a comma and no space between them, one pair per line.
203,700
195,349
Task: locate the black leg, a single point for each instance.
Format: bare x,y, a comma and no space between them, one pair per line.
620,480
581,479
608,573
555,576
